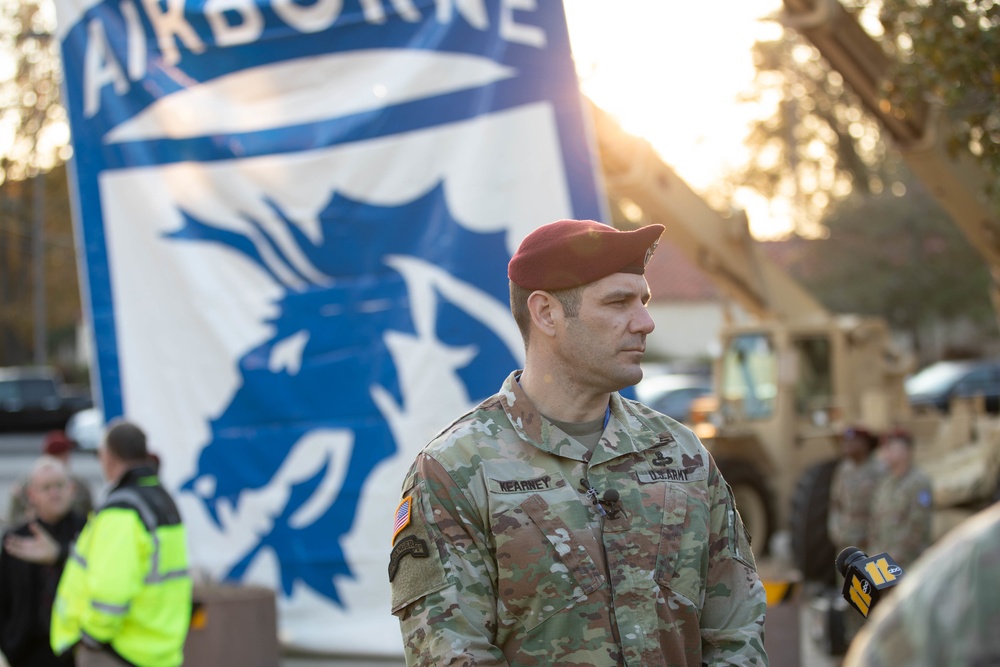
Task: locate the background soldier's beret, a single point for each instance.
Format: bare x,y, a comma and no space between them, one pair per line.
571,253
862,434
57,443
857,433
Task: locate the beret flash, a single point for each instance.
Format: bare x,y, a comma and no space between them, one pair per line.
571,253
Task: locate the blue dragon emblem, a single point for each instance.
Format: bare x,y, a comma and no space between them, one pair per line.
312,417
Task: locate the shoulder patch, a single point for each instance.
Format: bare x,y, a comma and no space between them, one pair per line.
411,545
415,567
402,517
924,498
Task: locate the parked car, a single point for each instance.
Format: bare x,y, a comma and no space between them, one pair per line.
85,428
673,393
937,385
33,398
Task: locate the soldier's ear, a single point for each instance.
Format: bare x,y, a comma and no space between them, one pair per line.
546,312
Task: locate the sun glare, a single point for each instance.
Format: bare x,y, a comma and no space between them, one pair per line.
671,72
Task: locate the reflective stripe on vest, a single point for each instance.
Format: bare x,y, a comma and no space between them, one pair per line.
117,609
75,555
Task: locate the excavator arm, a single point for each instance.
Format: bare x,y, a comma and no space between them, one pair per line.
720,247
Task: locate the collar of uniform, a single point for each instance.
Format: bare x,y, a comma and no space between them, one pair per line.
624,434
132,476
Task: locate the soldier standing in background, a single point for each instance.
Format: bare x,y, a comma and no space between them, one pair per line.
946,611
901,517
559,523
851,489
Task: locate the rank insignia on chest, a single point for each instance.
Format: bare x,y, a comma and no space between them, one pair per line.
662,459
402,517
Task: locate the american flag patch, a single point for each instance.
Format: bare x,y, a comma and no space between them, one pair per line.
402,517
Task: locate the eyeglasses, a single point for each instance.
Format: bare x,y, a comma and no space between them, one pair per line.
49,486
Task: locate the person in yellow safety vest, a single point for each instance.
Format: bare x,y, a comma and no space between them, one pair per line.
125,595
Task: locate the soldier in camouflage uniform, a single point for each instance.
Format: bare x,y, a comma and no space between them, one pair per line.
851,489
901,514
559,523
946,610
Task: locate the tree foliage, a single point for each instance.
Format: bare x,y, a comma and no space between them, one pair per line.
889,249
18,226
820,144
901,258
34,200
949,51
34,132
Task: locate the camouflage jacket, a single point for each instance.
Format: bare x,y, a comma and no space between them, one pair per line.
851,494
901,516
501,558
946,611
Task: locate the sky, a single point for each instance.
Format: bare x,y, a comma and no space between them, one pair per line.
670,71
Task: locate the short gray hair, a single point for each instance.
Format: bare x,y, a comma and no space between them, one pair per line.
570,299
47,461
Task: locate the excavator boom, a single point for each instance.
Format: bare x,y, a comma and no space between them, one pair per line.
720,247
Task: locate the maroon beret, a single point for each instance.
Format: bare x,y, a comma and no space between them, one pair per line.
857,432
571,253
57,443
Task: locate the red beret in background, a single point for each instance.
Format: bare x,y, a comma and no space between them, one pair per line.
859,432
57,443
571,253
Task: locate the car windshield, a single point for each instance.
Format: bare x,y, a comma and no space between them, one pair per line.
935,377
749,375
28,390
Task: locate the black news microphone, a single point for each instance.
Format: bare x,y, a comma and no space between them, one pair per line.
867,578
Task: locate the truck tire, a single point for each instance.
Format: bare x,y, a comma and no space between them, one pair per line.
754,501
812,550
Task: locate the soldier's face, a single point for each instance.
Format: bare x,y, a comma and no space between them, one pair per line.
603,345
894,453
853,447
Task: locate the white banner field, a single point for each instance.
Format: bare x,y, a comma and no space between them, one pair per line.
296,217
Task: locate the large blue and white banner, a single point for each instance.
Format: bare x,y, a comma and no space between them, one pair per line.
296,217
